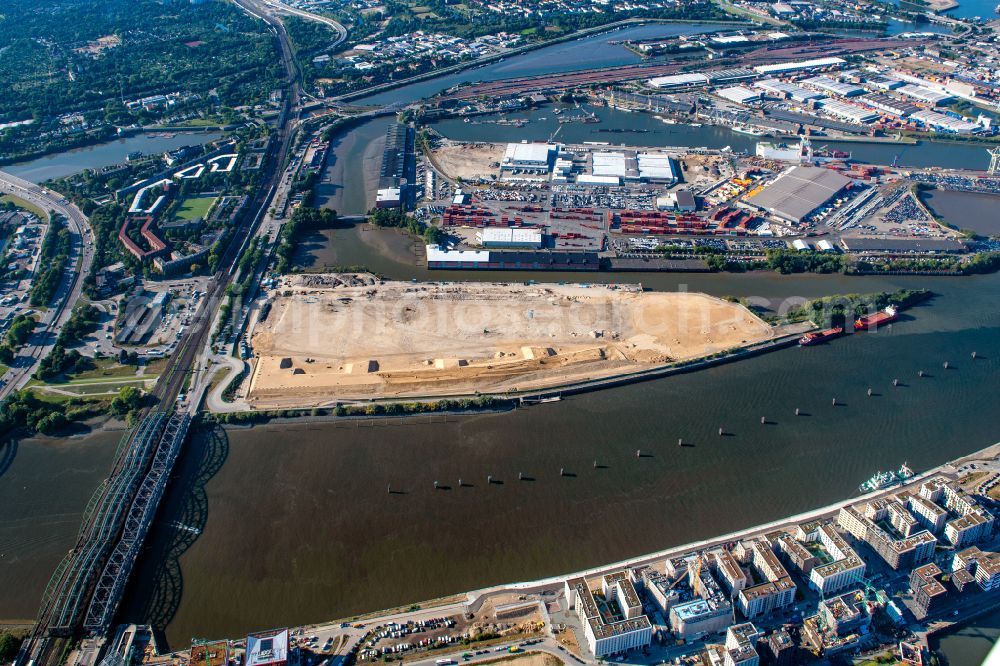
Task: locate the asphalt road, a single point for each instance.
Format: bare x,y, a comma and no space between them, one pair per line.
336,26
70,289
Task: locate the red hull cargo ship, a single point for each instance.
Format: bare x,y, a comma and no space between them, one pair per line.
820,336
871,321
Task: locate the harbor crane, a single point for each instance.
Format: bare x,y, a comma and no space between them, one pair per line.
994,160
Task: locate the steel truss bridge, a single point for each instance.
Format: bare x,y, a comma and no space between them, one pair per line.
87,586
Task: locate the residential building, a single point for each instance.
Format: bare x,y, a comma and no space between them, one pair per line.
778,590
927,589
741,645
620,634
985,566
861,521
846,570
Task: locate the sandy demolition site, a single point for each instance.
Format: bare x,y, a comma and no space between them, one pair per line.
329,338
468,160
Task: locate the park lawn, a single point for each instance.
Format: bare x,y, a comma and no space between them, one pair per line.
194,207
59,399
21,203
103,369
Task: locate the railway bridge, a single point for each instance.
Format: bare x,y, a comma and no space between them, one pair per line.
86,588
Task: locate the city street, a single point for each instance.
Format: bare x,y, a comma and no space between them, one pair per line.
43,339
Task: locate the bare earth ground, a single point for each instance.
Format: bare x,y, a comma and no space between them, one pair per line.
468,161
368,339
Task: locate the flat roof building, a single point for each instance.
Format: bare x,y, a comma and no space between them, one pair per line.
739,94
850,112
901,245
838,88
861,521
501,237
926,95
798,191
777,591
782,90
267,649
741,645
606,634
532,158
891,105
816,63
679,81
846,570
708,614
928,592
983,565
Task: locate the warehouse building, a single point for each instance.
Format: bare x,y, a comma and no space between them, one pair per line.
883,83
722,76
798,191
528,158
799,66
833,87
676,81
439,258
890,105
850,112
656,168
739,94
926,95
901,245
614,167
940,121
499,237
783,90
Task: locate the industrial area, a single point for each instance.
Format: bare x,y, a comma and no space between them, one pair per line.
597,207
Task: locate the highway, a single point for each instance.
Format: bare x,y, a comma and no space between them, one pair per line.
336,26
70,289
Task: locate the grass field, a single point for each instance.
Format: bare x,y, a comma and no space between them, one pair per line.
31,208
194,207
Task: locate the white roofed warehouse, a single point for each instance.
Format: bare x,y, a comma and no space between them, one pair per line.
532,158
500,237
798,191
739,94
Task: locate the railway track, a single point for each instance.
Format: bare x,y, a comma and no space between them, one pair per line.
764,55
84,591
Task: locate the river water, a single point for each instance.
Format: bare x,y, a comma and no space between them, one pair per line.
44,487
59,165
584,53
974,211
298,525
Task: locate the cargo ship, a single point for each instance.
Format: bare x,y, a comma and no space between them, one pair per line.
820,336
871,321
883,480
